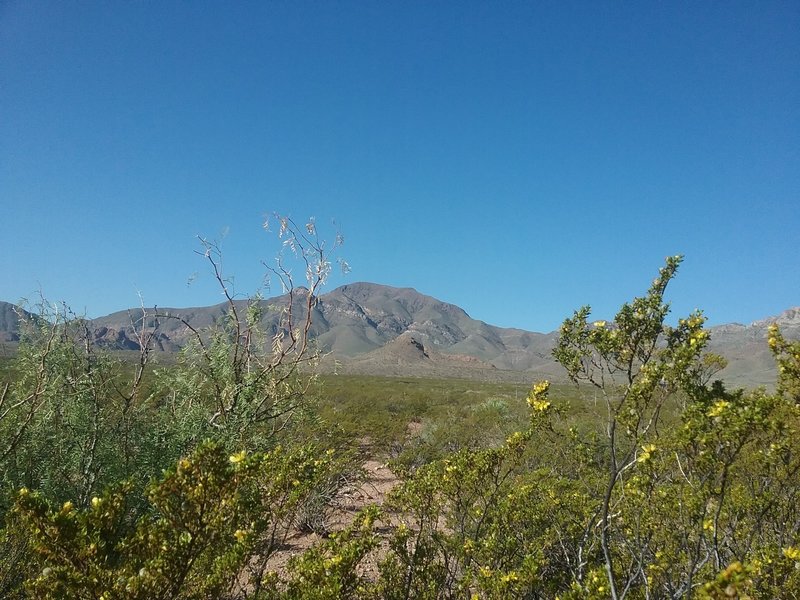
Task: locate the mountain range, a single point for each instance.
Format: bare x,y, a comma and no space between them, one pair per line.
377,329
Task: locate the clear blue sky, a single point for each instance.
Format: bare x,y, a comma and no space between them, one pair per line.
518,159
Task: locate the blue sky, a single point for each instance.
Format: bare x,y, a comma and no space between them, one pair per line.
519,159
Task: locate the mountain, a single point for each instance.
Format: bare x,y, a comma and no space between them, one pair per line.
10,321
362,317
377,329
750,362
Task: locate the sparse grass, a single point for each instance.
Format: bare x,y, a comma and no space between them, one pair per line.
418,420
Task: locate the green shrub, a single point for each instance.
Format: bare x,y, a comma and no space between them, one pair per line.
665,485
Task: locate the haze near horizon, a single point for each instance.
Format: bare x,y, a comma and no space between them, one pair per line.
518,161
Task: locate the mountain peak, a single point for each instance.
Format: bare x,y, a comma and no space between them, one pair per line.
371,325
789,317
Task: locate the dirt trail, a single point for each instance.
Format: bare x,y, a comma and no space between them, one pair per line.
379,481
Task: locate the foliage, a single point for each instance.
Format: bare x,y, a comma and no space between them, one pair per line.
212,518
787,355
685,489
243,378
330,569
77,420
668,486
74,418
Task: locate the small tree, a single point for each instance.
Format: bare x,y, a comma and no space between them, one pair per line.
681,498
257,364
635,363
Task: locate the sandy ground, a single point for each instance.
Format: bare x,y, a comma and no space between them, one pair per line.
379,481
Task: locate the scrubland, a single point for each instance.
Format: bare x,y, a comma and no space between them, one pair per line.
646,478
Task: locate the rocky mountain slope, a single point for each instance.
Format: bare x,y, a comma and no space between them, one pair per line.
750,362
9,322
354,321
371,328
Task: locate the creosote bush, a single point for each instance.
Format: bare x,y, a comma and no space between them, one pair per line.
214,521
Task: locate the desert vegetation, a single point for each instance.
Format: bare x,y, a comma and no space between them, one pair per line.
646,479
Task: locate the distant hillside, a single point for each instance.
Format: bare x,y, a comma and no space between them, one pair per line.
9,321
359,318
750,362
364,316
378,329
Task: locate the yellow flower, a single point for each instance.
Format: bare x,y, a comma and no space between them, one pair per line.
647,453
332,561
67,507
599,324
509,577
792,553
238,457
540,405
541,387
718,408
537,398
240,535
96,501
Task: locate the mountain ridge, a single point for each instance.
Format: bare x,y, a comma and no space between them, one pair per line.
380,329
